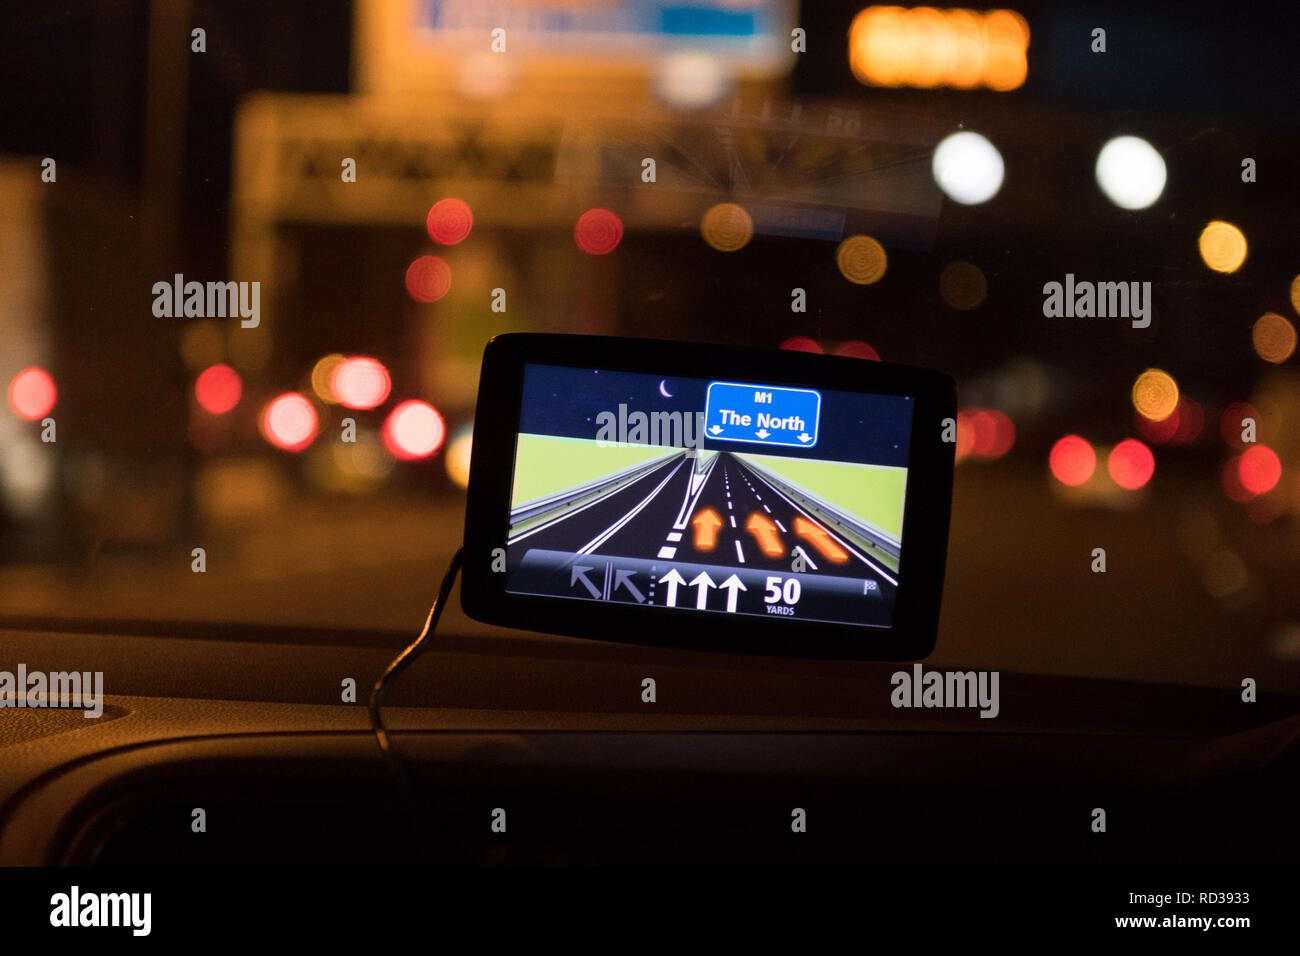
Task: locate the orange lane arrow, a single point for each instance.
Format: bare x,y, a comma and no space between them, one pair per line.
763,529
706,525
820,539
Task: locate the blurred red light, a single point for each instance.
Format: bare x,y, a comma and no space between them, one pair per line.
32,393
1131,464
1160,432
414,429
598,232
1191,420
965,434
801,343
1259,469
428,279
1230,423
1230,478
450,221
360,382
1005,436
289,422
1072,460
218,389
857,349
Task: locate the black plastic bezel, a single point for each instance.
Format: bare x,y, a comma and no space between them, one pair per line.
926,510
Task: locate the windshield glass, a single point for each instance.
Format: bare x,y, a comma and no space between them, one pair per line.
252,254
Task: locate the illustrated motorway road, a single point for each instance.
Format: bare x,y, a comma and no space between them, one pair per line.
729,515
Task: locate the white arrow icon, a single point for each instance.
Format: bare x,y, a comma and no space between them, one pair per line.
732,586
762,433
716,429
805,437
579,573
702,582
672,579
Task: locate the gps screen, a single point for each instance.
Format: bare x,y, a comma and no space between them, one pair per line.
715,496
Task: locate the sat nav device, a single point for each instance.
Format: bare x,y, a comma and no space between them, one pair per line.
709,497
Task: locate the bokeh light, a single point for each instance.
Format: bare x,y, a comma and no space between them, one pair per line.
1130,172
218,389
925,47
691,79
1131,464
1072,460
459,448
727,227
801,343
289,422
1230,422
1259,469
963,285
449,221
858,349
1223,246
360,382
1230,479
413,429
428,279
968,168
321,373
32,393
1295,293
598,232
861,260
1274,338
1155,394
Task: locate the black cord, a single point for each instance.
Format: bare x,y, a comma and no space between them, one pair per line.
394,670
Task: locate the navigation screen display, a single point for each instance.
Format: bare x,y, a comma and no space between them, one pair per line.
714,496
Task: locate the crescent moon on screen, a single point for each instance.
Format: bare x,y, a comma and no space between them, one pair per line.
663,389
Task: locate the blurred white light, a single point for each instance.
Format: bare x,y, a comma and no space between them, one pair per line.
691,80
968,168
1130,172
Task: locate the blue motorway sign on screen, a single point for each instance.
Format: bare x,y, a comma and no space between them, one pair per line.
708,495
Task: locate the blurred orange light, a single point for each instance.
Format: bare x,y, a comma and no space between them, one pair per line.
218,389
414,429
858,349
965,435
428,279
449,221
925,47
360,382
1223,246
321,373
1259,469
1072,460
598,232
801,343
289,422
1274,338
861,260
1131,464
32,393
727,227
1155,394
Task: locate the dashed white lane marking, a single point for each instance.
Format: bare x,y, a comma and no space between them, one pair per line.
674,536
739,553
779,525
733,520
767,509
667,552
730,507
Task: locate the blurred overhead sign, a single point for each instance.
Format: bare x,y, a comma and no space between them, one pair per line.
413,44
